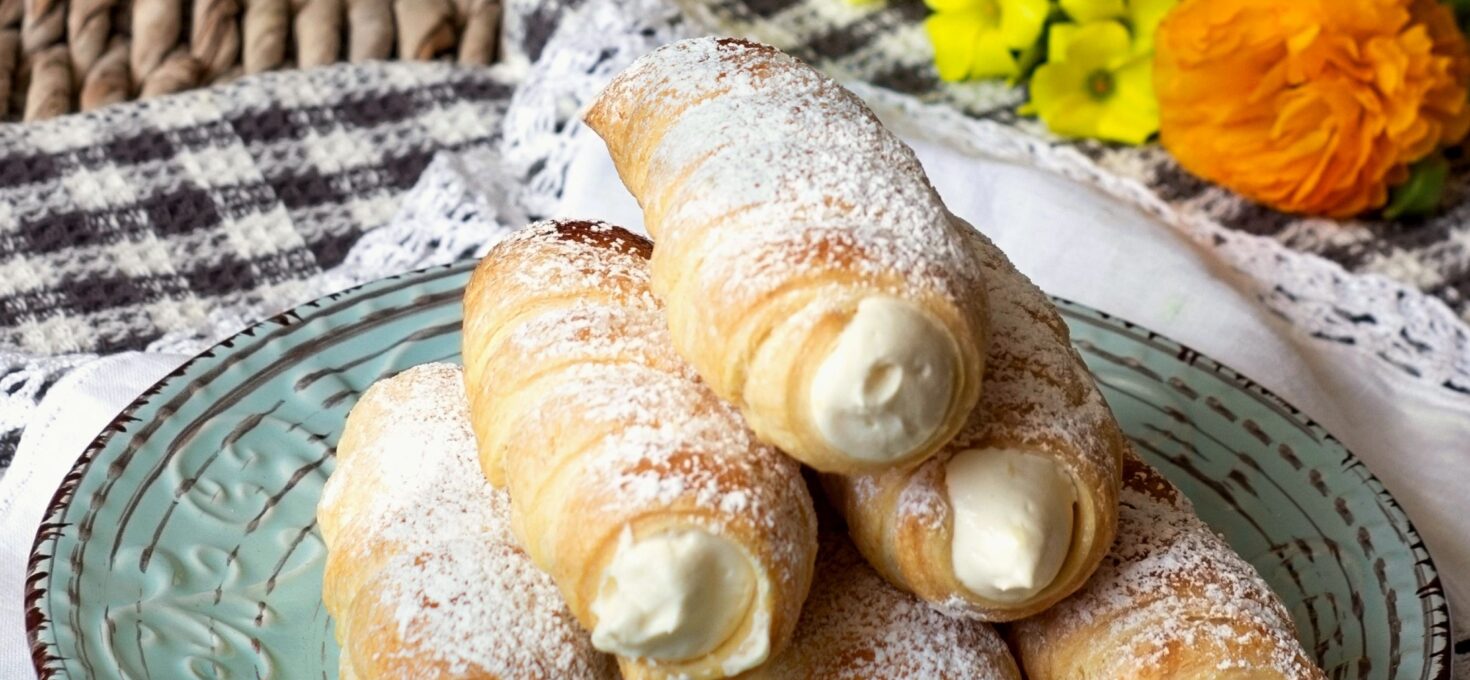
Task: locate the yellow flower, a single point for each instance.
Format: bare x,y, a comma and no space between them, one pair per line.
1095,85
1086,11
1145,16
1142,16
979,38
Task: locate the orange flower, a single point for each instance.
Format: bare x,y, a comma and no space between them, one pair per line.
1310,106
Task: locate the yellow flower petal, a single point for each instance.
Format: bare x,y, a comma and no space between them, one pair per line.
1021,21
1099,45
1132,113
1076,116
1134,84
992,57
1145,16
1083,11
1094,86
1059,38
1055,82
959,5
954,35
1124,124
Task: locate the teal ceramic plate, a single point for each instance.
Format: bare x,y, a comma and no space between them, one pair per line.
184,542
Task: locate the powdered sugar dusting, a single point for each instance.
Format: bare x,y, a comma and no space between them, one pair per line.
855,626
1037,389
455,591
605,424
1037,396
796,158
769,185
923,499
1037,393
1172,592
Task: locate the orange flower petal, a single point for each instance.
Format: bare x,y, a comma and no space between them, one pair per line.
1314,106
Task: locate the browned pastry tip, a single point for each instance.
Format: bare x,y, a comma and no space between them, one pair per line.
1171,601
613,452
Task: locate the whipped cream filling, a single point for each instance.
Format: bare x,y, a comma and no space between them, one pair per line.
886,385
674,596
1012,521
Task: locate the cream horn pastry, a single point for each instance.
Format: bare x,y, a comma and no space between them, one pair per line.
811,274
683,543
1018,510
1172,600
423,578
407,452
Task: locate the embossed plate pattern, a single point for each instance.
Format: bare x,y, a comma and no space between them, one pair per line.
184,542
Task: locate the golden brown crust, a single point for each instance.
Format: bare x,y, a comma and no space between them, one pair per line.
423,579
595,426
779,203
856,626
1171,600
1038,397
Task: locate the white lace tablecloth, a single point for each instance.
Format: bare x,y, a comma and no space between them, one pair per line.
1076,235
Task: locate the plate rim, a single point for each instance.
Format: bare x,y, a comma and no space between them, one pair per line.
38,572
1433,588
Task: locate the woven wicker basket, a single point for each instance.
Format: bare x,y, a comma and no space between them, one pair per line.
59,56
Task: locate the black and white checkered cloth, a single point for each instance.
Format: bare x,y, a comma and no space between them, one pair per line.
118,226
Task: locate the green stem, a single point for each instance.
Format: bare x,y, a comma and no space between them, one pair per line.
1420,195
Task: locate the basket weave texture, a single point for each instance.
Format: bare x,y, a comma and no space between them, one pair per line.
59,56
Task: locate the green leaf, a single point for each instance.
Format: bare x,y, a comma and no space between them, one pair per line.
1420,195
1461,8
1026,64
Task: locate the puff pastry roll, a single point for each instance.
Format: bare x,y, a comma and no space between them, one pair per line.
857,627
1016,512
812,275
423,578
1172,600
680,541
